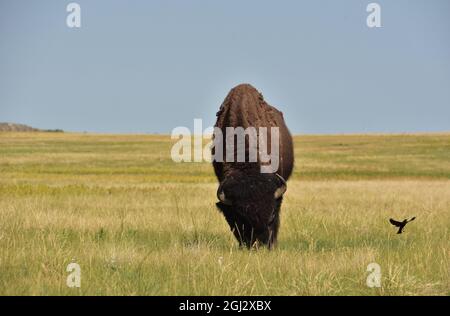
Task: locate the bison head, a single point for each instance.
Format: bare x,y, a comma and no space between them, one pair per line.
251,205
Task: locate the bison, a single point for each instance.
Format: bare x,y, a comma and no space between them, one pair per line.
250,198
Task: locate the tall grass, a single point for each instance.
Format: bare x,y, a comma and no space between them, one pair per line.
139,224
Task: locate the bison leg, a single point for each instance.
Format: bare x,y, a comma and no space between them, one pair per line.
274,232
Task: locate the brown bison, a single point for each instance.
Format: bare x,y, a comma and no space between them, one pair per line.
251,190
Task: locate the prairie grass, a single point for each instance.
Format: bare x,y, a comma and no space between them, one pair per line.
139,224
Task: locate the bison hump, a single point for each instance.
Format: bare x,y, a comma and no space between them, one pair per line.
245,106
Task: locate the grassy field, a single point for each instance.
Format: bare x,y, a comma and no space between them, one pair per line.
139,224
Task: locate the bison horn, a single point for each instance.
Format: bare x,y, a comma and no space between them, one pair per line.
280,191
221,196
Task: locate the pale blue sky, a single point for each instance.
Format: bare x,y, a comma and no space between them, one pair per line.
149,66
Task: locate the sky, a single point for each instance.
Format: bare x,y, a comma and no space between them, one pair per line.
150,66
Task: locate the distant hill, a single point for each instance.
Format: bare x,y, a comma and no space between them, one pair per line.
13,127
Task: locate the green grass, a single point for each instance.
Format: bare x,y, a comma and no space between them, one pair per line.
140,224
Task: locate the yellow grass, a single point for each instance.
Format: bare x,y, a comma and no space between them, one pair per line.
139,224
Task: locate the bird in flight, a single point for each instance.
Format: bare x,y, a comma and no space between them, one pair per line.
401,225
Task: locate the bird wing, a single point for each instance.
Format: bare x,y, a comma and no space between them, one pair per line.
395,223
412,219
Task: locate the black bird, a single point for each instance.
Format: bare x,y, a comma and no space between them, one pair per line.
401,225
